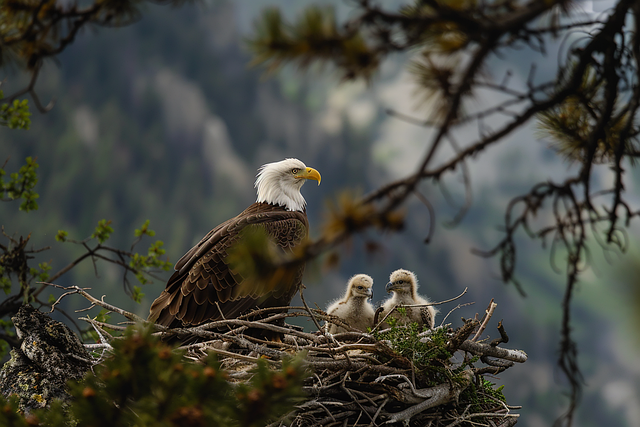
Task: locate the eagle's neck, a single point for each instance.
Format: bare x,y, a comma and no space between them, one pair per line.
403,297
275,191
356,305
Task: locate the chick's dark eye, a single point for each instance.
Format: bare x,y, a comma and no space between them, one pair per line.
361,287
400,282
295,171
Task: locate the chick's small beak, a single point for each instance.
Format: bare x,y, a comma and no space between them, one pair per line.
311,173
389,287
370,293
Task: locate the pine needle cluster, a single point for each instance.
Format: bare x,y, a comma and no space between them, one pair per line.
573,125
315,37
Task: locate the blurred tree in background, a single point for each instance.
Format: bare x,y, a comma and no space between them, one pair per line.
589,111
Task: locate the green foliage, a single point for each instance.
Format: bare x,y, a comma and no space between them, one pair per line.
147,383
571,124
41,273
137,294
15,115
32,31
5,282
140,263
346,215
426,354
490,389
254,254
443,35
269,392
257,259
103,231
14,260
9,414
62,236
435,73
103,316
482,392
315,37
6,328
144,230
21,185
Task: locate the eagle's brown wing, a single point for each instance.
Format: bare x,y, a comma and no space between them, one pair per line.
203,288
426,317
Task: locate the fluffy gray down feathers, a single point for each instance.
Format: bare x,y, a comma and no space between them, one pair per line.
354,307
404,286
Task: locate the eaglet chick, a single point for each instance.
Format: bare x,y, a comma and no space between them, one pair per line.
354,307
404,285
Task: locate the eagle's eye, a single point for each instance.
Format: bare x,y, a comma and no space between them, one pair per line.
361,287
295,171
400,282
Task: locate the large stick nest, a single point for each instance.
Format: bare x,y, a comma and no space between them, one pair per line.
404,375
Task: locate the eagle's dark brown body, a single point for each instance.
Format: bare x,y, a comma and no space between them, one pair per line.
204,288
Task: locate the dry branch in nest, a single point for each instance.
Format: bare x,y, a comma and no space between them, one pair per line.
404,375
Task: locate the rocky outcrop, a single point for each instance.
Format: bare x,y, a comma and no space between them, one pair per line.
50,354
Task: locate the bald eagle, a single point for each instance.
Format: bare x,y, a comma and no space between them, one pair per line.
354,307
204,288
404,285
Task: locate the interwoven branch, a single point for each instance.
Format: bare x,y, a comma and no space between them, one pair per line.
356,377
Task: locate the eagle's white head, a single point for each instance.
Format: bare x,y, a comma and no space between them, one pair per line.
279,183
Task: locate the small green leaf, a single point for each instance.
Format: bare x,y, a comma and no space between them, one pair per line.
103,316
103,231
43,274
15,115
21,185
5,285
62,236
137,294
144,230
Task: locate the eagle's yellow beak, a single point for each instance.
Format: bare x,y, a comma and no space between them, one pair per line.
310,173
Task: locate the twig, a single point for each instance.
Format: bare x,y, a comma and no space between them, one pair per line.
375,416
453,309
437,303
206,327
313,317
82,291
207,346
504,338
485,322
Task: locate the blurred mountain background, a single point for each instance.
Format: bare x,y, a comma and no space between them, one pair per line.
164,120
